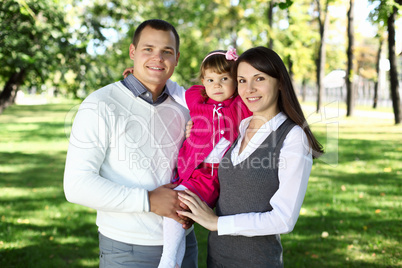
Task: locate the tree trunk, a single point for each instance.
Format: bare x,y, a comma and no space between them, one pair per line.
321,55
270,21
291,73
7,96
377,68
393,72
350,96
304,89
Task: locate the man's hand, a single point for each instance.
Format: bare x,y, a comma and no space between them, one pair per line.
128,71
163,201
188,128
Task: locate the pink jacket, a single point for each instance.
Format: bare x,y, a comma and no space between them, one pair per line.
212,121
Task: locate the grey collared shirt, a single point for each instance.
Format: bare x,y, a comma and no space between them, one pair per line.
139,90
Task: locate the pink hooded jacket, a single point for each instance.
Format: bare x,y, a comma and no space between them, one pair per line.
212,120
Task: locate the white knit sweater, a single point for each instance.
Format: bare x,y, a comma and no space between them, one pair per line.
120,148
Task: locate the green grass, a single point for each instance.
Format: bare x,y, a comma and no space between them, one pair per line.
38,228
350,217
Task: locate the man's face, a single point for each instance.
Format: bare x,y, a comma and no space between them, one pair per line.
155,58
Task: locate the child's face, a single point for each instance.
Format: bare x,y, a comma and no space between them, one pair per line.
218,87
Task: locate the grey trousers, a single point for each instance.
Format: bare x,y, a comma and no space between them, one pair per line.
113,253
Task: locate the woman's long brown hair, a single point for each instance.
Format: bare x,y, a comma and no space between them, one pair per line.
269,62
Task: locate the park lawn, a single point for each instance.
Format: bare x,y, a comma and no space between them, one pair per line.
350,216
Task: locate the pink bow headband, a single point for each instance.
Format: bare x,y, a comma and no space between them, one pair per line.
230,54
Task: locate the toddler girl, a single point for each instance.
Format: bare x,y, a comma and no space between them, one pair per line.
216,111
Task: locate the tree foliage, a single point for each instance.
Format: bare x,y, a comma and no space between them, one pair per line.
77,46
36,45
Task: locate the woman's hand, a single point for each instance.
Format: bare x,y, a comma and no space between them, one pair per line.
128,71
188,222
200,211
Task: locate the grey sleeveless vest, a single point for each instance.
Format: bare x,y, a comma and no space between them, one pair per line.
249,187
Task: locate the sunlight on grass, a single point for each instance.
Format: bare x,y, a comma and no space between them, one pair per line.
24,127
14,192
88,262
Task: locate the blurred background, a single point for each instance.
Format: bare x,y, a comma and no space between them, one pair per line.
334,49
345,60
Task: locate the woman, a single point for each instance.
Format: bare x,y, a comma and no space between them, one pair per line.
263,176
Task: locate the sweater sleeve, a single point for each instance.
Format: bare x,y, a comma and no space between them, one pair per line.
83,184
194,98
177,92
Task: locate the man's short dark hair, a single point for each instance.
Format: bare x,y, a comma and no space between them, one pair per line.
157,25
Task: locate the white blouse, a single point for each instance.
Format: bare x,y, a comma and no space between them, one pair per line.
295,163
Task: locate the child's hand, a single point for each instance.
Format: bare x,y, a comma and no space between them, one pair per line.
189,126
128,71
188,222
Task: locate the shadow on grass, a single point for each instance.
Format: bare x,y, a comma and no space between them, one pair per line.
23,110
364,150
49,255
37,132
32,169
56,245
373,184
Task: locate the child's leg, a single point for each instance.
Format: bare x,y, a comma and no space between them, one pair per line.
174,241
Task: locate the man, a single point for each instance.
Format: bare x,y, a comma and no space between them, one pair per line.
123,150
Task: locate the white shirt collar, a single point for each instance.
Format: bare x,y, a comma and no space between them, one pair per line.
269,126
261,134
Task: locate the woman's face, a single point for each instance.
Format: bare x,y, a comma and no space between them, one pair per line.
258,90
